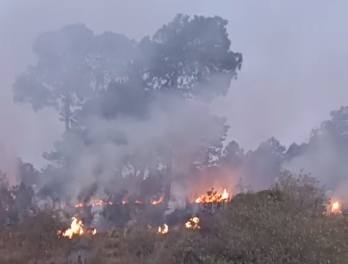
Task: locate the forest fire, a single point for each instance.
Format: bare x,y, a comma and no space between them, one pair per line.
214,197
96,202
336,207
76,229
163,229
193,223
99,202
210,197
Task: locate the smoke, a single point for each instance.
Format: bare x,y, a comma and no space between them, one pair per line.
291,79
175,128
326,163
275,69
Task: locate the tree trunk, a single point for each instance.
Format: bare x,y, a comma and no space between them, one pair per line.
67,113
167,184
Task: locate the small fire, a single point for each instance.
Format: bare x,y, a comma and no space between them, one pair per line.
92,203
163,230
214,197
193,223
160,200
124,201
76,229
336,207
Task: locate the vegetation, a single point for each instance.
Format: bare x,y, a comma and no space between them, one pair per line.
272,226
112,94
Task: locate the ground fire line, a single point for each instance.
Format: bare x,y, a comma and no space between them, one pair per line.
77,228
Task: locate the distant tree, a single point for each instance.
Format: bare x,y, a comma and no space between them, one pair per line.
232,156
264,164
8,210
212,146
16,202
324,154
295,150
333,131
27,173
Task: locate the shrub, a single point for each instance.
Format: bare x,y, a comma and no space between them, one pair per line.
281,225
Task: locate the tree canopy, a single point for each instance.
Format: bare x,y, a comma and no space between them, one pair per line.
187,56
150,98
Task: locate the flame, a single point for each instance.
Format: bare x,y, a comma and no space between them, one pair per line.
213,197
124,201
76,228
96,202
160,200
193,223
163,230
336,207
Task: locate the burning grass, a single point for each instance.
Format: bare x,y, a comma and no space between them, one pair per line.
281,225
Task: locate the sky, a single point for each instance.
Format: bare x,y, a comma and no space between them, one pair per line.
295,56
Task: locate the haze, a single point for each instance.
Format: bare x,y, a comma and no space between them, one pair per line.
293,74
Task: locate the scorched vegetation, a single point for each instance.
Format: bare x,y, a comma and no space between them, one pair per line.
145,172
288,223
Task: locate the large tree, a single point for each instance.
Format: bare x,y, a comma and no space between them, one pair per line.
71,63
190,56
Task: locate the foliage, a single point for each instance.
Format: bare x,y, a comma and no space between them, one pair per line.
110,77
254,228
187,56
61,77
185,59
191,57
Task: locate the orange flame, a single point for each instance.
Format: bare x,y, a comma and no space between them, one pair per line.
163,230
92,203
214,197
193,223
124,201
76,229
160,200
336,207
211,197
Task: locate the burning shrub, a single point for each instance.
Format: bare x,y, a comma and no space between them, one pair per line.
270,226
265,227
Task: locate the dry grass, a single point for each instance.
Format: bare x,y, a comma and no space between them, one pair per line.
283,225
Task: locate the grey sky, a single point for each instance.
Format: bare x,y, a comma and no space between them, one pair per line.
295,56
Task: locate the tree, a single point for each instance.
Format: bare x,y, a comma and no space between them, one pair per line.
232,156
61,76
123,98
111,56
72,63
190,57
27,173
334,130
184,62
264,164
295,150
324,154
